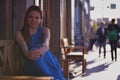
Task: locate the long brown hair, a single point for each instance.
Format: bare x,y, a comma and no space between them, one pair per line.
25,30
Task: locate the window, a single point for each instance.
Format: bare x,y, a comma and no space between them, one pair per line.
113,6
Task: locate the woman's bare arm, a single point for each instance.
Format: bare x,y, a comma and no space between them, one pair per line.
46,40
46,36
34,54
22,43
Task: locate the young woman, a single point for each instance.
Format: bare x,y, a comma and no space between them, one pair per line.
34,39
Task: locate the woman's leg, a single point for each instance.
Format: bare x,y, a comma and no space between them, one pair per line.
115,49
104,47
100,45
112,48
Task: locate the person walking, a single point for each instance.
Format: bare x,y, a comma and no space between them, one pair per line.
101,38
113,36
92,38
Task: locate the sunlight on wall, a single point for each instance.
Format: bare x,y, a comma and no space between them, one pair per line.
72,14
103,9
37,2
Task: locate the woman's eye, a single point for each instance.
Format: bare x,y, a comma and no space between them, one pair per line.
30,17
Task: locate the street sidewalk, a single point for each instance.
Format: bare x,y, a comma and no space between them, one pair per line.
97,68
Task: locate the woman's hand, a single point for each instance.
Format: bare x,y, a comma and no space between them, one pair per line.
34,54
37,53
43,49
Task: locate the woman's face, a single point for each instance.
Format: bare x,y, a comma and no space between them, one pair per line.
33,19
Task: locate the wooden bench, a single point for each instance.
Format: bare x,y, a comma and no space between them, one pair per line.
25,78
11,62
68,54
7,57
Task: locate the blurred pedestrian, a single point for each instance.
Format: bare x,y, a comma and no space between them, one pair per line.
113,36
101,38
92,38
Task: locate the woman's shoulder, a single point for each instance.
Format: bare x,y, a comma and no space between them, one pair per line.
18,34
43,29
46,29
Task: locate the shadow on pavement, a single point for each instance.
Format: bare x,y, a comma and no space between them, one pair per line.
96,69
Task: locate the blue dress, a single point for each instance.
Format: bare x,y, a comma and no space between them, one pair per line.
47,65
